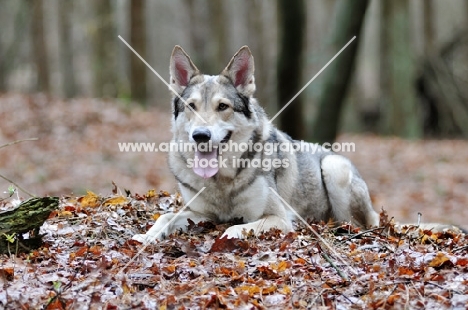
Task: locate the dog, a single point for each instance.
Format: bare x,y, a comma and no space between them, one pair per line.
282,184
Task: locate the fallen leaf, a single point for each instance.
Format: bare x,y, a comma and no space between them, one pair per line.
249,289
95,249
91,200
69,208
267,272
392,299
65,214
281,266
118,200
7,273
228,245
81,252
151,193
286,290
300,261
56,304
439,260
269,289
462,262
405,271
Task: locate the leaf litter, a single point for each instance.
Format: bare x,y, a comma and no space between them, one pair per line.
85,263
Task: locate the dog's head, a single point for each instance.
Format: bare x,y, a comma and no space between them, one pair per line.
212,109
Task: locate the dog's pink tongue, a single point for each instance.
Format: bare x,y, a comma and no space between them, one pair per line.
206,163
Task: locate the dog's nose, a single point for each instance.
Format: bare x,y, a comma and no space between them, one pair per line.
201,135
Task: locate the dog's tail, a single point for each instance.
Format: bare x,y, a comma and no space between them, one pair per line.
347,192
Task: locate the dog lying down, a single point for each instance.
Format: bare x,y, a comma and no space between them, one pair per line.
266,186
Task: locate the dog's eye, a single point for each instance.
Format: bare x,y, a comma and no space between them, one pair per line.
222,106
192,106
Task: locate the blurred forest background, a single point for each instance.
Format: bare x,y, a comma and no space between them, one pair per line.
409,77
67,79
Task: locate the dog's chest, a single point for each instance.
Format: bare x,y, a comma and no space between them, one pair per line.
226,201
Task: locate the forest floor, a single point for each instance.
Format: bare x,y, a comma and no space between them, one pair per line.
89,262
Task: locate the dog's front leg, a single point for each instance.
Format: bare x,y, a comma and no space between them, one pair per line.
169,223
264,224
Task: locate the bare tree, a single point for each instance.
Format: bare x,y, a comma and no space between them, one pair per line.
18,21
401,116
466,12
66,51
256,38
138,42
290,62
429,27
216,13
3,67
38,48
198,38
350,16
384,80
104,39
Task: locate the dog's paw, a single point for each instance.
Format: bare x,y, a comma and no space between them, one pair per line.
149,237
159,231
236,231
143,238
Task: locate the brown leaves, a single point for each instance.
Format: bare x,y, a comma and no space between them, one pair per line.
267,273
405,271
89,244
55,304
229,245
7,273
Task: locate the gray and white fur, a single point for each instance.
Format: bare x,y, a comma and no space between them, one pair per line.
321,185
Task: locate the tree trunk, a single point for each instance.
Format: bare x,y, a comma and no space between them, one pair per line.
429,29
104,56
292,22
138,42
218,19
28,216
9,49
3,67
466,12
350,18
198,38
66,53
384,79
442,89
39,51
401,112
256,40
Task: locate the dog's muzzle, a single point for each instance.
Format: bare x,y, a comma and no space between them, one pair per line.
206,161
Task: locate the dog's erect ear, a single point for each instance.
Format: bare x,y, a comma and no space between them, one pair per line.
181,69
241,71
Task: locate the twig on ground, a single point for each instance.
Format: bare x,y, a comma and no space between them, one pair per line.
460,248
365,232
18,141
338,270
19,187
5,178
